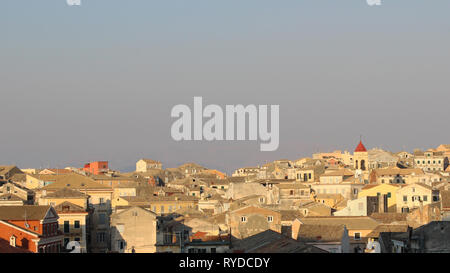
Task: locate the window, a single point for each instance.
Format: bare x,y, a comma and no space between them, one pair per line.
357,236
120,228
77,224
101,219
405,198
77,239
291,192
100,237
425,198
213,250
388,195
66,241
270,219
243,219
12,241
66,227
121,244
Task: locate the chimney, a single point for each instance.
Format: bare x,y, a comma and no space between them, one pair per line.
381,208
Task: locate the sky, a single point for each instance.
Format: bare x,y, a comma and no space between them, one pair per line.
98,81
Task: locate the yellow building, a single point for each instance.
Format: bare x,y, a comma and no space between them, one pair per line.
345,157
414,196
121,192
72,209
310,174
37,181
99,199
382,189
64,195
159,204
72,222
329,199
145,165
394,175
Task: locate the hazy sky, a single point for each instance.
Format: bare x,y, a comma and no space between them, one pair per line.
98,82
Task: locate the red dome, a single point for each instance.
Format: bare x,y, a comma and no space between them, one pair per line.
360,148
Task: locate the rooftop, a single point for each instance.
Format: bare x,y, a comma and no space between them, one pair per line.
360,147
26,212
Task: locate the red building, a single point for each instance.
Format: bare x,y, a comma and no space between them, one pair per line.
30,228
96,168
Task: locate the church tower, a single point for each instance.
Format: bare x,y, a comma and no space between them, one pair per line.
361,157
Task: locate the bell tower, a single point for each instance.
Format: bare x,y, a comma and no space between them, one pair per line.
361,157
